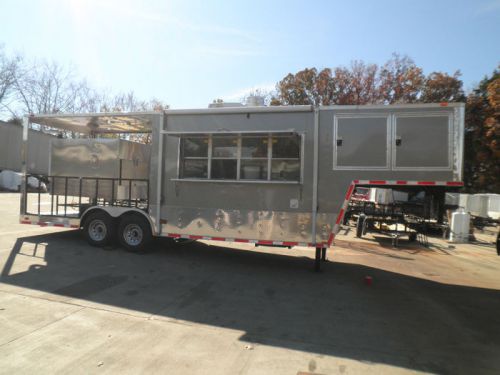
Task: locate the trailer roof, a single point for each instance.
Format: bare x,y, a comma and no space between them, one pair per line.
111,122
141,122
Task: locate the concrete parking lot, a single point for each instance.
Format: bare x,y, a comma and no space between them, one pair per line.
220,308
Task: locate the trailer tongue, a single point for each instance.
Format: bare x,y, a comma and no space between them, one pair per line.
274,176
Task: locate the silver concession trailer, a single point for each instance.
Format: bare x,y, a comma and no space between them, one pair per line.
274,176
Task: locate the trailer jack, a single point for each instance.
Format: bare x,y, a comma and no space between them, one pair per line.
319,257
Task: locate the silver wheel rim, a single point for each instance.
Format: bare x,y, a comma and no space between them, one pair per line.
132,234
97,230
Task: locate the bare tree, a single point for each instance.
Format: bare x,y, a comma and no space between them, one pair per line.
128,102
47,87
8,70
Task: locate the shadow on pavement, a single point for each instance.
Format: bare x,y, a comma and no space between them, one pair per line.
277,300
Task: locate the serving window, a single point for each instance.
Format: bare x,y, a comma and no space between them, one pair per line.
242,157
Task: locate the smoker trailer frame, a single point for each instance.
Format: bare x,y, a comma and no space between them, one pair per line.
315,158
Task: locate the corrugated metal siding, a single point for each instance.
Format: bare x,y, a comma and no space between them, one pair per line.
10,149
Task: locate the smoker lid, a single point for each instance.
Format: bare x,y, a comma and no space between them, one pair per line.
99,123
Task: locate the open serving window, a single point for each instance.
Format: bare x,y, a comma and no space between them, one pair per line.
243,156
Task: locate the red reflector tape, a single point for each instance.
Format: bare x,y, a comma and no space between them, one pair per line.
265,242
339,216
349,192
426,183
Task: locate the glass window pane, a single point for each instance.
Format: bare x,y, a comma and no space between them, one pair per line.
195,147
285,170
194,168
254,147
286,147
253,170
224,169
224,147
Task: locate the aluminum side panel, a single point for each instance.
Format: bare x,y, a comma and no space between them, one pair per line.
425,140
238,195
245,224
361,141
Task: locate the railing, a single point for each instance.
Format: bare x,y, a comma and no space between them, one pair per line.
70,196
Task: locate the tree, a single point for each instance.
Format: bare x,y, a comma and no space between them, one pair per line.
9,67
299,88
482,149
441,87
47,87
355,85
400,80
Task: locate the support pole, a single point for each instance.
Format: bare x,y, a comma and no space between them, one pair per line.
317,260
315,175
323,254
24,167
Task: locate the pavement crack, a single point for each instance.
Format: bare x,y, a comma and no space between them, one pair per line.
42,327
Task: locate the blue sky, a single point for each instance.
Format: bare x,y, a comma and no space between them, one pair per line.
188,53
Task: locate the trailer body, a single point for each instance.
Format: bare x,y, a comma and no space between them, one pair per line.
271,175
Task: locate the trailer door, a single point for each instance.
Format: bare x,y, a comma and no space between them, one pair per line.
361,142
421,141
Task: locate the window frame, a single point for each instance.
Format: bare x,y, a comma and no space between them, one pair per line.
269,158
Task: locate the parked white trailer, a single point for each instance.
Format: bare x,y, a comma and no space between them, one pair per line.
485,206
277,176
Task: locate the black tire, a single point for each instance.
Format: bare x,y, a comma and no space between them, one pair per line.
134,233
360,226
99,229
412,237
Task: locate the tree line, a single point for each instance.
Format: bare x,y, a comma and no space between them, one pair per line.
399,80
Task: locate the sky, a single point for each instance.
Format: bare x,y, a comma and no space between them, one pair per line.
188,53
